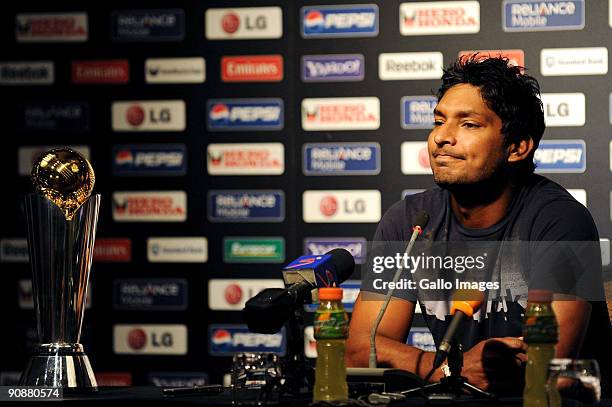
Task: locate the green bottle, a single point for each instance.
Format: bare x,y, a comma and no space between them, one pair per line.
541,333
330,331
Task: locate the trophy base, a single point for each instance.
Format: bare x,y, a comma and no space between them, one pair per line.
60,365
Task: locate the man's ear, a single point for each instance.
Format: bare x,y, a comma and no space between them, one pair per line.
520,151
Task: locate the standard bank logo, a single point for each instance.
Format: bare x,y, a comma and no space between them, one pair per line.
354,20
148,25
177,249
175,70
245,114
316,246
560,156
341,159
574,61
333,68
246,206
226,339
149,159
417,112
537,15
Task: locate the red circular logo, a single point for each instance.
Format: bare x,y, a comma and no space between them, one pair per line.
230,23
328,206
137,338
233,294
424,157
135,115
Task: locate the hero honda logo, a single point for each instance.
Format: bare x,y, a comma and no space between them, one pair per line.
332,206
149,159
353,20
148,115
227,339
440,17
150,339
410,65
51,27
246,206
333,68
245,114
317,246
560,156
231,294
341,158
27,73
150,206
245,159
353,113
537,15
244,23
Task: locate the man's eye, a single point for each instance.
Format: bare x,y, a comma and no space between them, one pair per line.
438,122
471,125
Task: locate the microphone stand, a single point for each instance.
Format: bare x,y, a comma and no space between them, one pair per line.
455,384
298,374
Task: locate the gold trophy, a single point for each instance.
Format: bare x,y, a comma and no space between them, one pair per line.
61,219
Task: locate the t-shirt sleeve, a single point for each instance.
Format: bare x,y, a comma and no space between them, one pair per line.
565,251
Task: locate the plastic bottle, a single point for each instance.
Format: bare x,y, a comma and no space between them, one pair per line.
330,331
541,333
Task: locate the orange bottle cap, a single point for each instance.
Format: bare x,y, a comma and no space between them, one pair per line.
330,293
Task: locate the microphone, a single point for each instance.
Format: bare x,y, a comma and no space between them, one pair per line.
421,220
463,306
268,311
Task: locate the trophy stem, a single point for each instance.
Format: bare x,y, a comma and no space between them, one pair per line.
60,257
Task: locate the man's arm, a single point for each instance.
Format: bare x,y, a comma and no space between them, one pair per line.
391,336
573,318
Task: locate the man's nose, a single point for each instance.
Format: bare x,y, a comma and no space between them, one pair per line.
444,134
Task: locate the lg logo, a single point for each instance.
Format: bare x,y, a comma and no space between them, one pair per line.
231,23
329,206
136,115
137,339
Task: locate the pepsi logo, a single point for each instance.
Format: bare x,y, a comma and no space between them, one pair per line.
314,20
135,115
233,294
424,158
137,338
124,157
230,23
221,337
220,111
328,206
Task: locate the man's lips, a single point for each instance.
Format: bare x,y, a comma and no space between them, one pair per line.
446,155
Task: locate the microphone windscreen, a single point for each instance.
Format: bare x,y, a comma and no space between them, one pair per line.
421,219
466,301
344,262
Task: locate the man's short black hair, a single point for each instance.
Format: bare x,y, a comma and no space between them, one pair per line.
508,91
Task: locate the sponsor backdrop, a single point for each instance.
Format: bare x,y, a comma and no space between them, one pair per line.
228,141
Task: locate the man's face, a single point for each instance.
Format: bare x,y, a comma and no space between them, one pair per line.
466,145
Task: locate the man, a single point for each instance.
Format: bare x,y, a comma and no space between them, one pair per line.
488,124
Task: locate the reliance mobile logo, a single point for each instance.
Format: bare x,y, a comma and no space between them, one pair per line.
560,156
440,17
354,20
537,15
150,294
148,25
341,158
98,72
60,116
317,246
333,68
245,114
150,159
417,112
252,68
246,206
226,339
51,27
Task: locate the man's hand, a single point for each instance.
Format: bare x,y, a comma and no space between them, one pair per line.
496,364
